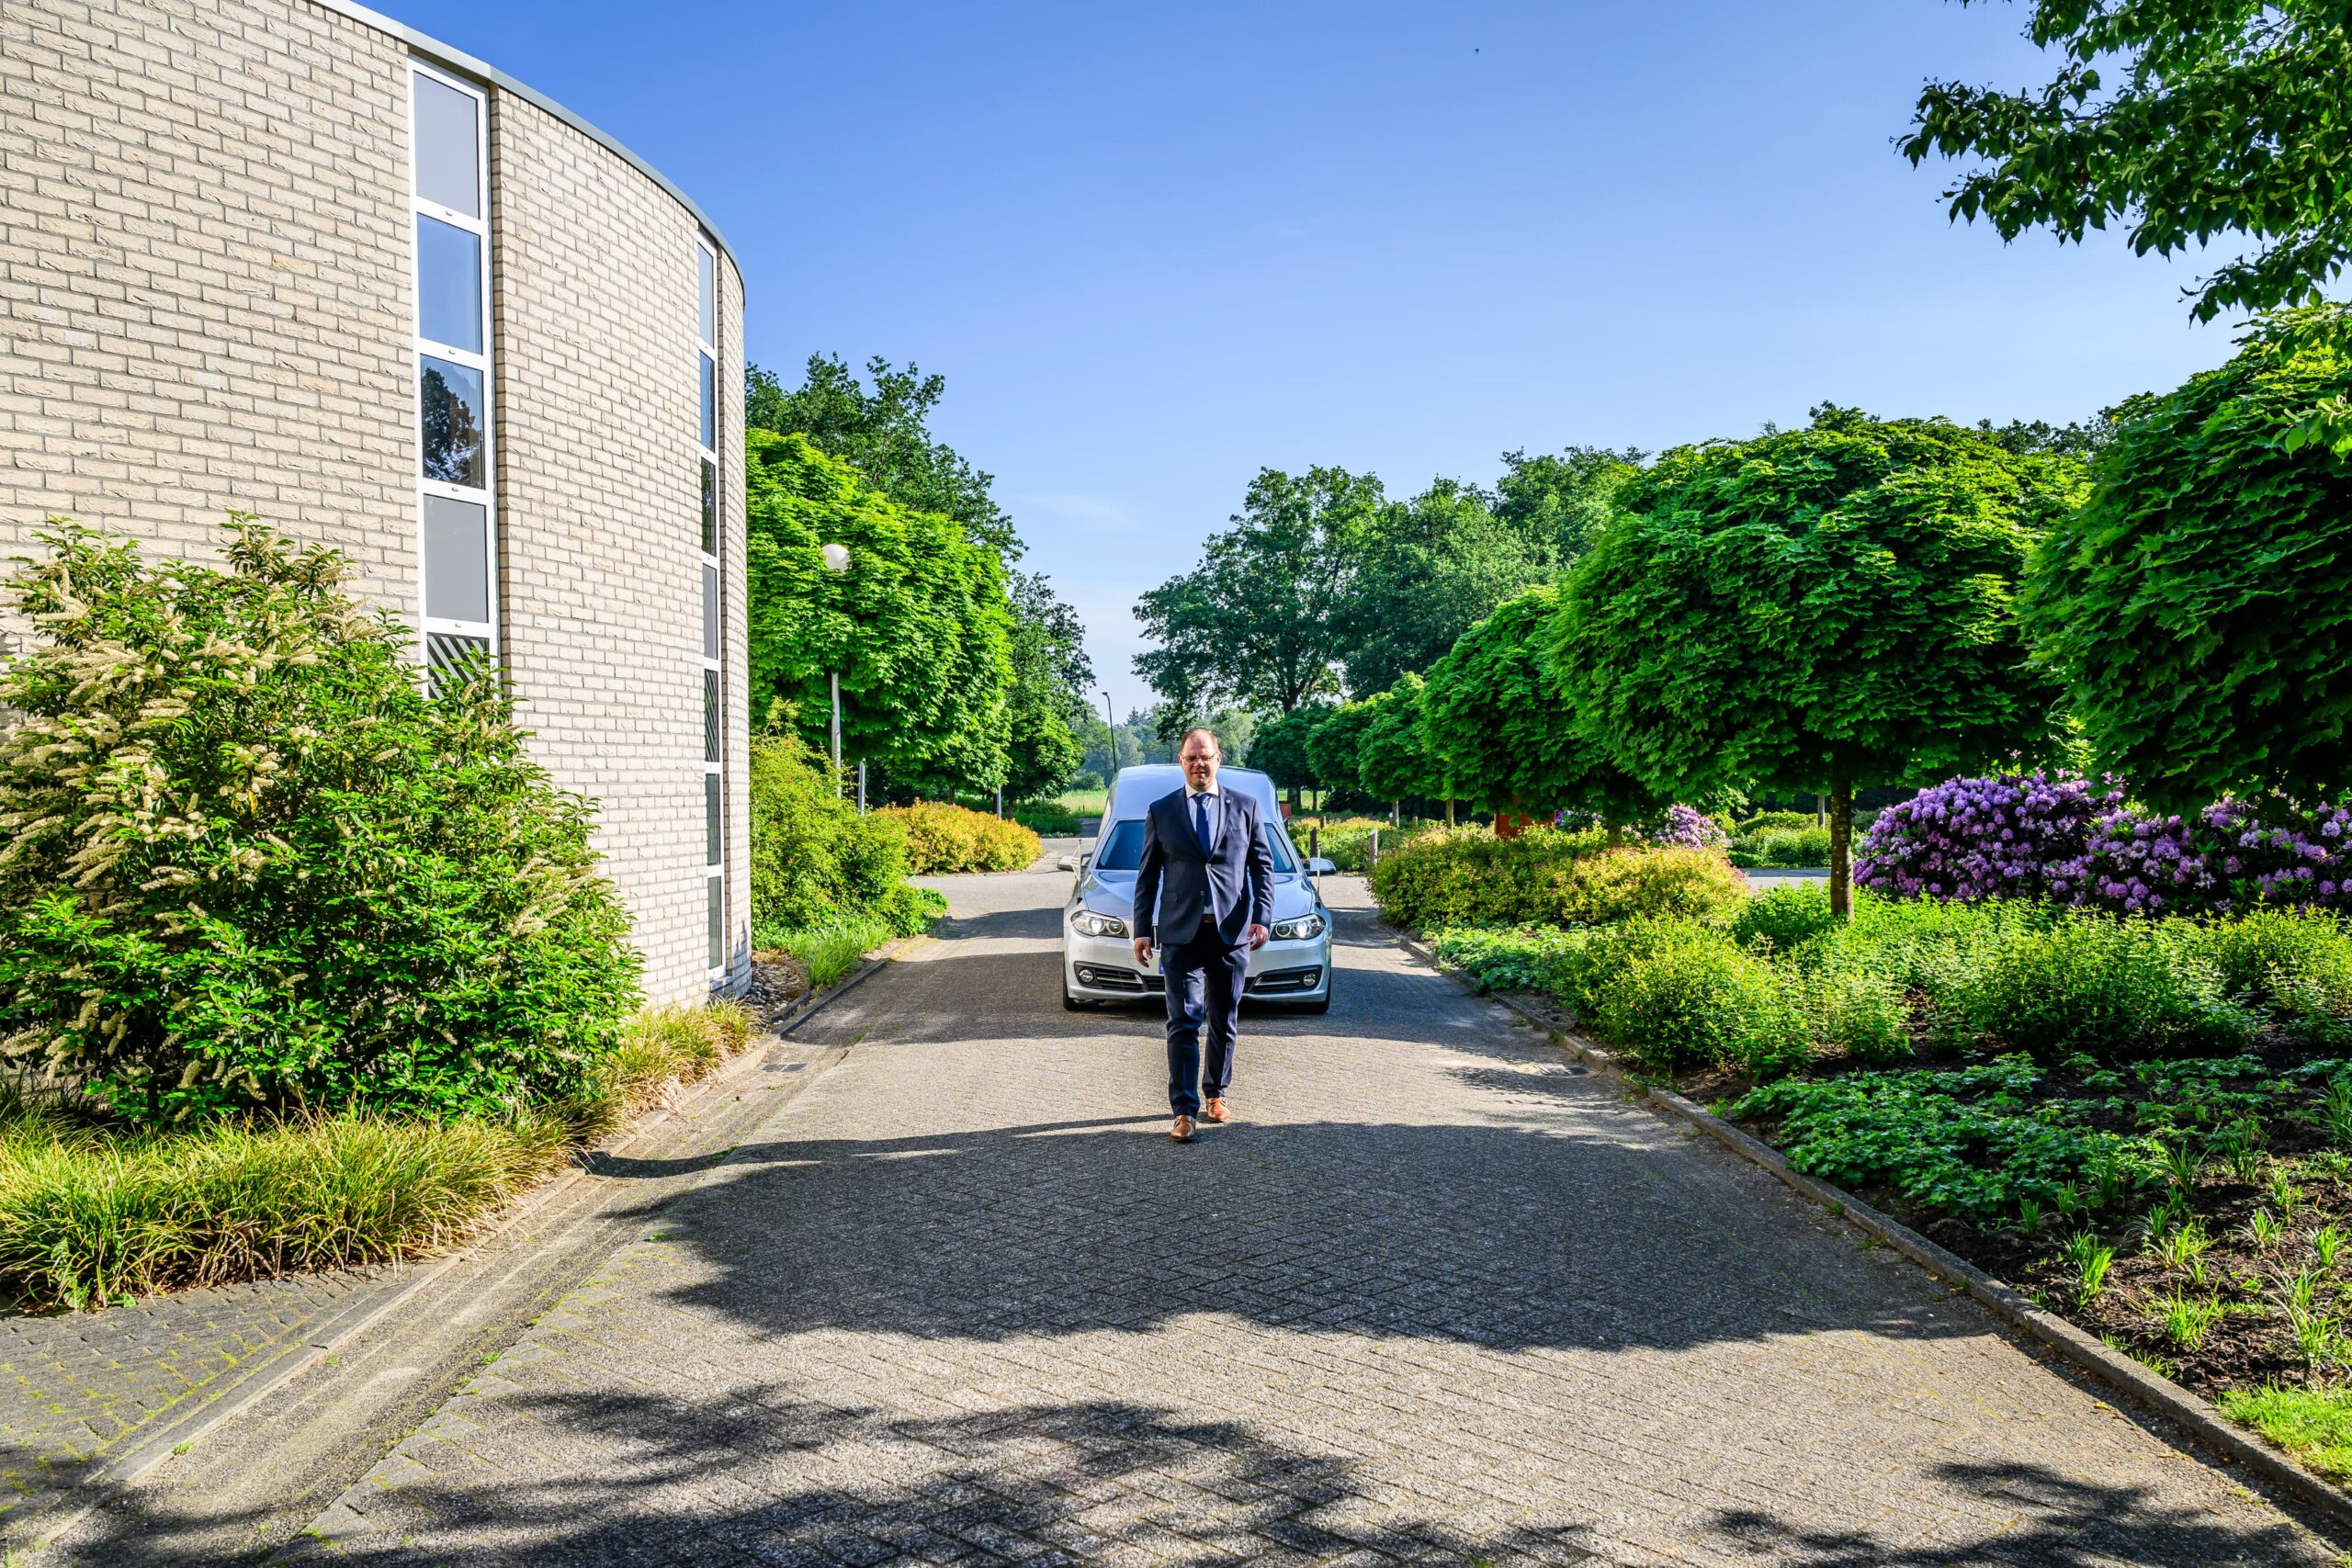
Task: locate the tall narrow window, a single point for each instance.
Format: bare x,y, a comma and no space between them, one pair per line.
458,517
711,534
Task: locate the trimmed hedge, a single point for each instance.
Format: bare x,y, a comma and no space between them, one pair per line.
941,838
1542,877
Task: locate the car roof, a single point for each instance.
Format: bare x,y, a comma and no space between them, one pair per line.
1136,788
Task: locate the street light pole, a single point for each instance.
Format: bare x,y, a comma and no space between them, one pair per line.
836,558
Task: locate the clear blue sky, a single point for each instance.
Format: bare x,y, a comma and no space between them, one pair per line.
1154,248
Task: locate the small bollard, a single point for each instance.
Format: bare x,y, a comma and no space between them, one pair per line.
1372,852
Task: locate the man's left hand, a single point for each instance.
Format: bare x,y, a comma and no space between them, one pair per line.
1258,935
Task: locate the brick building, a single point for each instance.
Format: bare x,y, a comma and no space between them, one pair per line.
292,257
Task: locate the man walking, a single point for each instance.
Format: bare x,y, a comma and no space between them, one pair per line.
1205,895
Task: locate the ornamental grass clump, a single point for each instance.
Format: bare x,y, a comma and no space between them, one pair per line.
88,1217
252,863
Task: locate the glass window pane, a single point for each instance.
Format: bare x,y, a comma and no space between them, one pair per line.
709,404
457,559
709,507
718,885
448,284
710,612
711,819
706,276
452,418
710,715
448,146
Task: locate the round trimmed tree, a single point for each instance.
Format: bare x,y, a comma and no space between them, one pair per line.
1817,610
1501,730
1334,746
1393,759
2196,606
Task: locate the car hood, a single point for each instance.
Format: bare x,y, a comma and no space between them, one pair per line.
1113,893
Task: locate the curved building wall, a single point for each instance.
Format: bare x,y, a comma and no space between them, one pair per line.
208,279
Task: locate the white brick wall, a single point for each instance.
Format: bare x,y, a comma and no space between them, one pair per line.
205,305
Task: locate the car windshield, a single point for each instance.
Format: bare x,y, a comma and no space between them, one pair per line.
1122,849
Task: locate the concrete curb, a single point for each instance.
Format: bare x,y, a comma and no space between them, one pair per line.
370,1304
2196,1418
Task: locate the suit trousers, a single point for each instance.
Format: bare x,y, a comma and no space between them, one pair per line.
1205,978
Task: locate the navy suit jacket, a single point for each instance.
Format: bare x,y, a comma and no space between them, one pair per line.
1235,886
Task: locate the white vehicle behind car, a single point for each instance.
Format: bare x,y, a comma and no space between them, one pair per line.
1293,969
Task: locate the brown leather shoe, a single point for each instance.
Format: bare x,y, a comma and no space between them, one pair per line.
1215,1111
1183,1131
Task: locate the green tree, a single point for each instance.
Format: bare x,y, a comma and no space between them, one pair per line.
2185,118
1259,621
1393,758
886,434
2198,604
919,626
1558,501
1280,747
1815,610
1424,570
1047,704
1334,750
1500,726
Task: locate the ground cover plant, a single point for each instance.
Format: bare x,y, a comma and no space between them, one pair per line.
941,838
253,862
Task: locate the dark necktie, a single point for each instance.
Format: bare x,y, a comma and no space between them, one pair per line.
1201,823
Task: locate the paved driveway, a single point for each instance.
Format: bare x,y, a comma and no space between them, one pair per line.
1436,1295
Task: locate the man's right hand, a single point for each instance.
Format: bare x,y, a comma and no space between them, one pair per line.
1143,950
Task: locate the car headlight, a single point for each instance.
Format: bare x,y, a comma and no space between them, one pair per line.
1298,929
1086,923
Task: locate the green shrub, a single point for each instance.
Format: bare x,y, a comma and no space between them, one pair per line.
251,861
1346,841
1798,849
2292,963
1469,877
1620,883
1784,917
941,838
1776,822
2109,986
1686,997
1046,816
813,857
1854,1012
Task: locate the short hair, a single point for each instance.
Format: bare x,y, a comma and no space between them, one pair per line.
1201,729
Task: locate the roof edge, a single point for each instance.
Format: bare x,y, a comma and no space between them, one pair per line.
456,58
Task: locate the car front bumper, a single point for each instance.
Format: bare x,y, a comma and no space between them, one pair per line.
1103,969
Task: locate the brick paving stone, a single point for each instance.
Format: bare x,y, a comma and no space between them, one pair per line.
1432,1299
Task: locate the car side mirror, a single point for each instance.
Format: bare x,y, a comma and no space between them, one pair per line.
1067,863
1320,865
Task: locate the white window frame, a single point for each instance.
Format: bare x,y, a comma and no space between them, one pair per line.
429,625
709,562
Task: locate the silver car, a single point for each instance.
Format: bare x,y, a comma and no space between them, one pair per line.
1098,922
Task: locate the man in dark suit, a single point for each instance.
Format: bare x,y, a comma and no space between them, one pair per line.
1205,893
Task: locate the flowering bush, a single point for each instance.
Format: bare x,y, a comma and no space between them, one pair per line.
2072,841
1686,827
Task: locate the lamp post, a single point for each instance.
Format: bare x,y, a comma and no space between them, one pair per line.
837,562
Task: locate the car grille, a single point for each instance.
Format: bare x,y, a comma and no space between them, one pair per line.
1111,979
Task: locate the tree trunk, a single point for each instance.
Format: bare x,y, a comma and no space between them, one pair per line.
1449,814
1841,848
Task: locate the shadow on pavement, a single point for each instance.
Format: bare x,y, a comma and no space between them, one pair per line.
681,1483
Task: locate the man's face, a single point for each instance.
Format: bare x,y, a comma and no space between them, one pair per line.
1199,758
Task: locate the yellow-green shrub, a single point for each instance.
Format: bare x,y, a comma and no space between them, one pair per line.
943,838
1618,883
